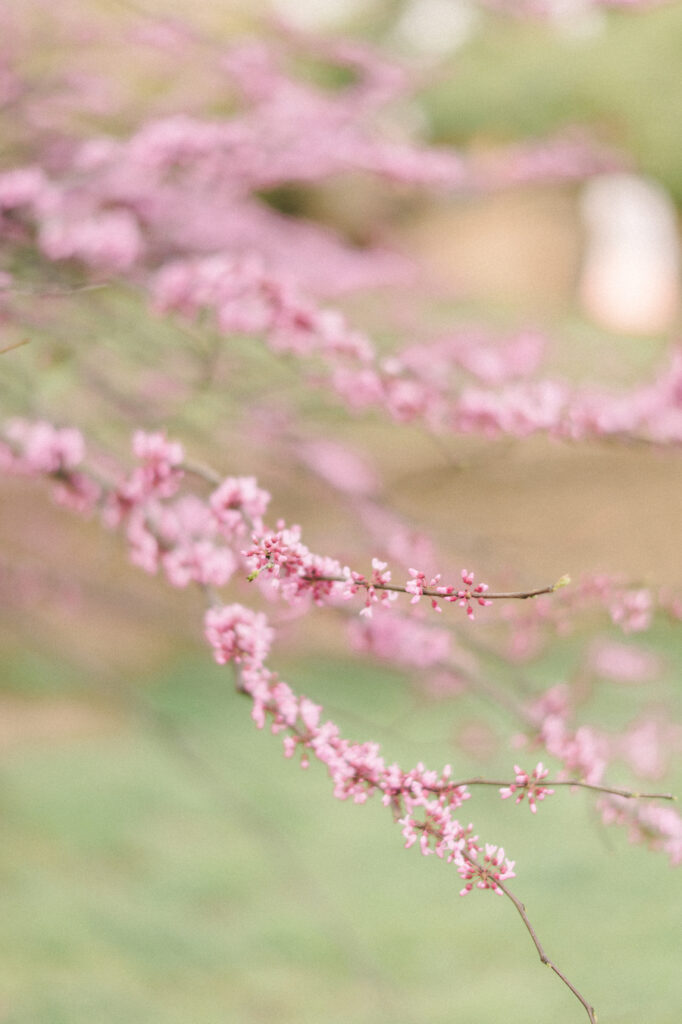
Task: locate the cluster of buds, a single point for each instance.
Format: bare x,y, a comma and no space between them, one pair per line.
528,786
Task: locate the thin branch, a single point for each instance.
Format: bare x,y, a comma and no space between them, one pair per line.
57,293
625,793
464,593
17,344
591,1013
202,471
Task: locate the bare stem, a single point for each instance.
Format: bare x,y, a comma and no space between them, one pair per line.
58,293
204,472
591,1013
17,344
589,1009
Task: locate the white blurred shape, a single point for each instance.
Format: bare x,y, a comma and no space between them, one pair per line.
576,19
630,279
318,14
436,26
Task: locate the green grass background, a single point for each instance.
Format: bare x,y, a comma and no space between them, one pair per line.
174,868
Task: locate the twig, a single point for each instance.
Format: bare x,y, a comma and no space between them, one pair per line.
591,1013
201,470
519,595
57,293
17,344
625,793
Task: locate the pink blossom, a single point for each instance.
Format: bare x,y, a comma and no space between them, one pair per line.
402,640
293,570
199,561
238,634
660,828
418,584
466,598
159,474
239,503
22,186
39,447
496,867
339,466
622,663
143,546
632,610
474,351
79,493
110,241
528,786
648,745
585,752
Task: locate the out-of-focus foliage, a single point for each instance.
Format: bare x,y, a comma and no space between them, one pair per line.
623,75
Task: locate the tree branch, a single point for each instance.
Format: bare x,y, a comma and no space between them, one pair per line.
591,1013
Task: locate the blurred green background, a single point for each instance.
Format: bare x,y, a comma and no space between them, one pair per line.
162,862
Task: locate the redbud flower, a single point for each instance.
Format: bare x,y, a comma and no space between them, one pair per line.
527,785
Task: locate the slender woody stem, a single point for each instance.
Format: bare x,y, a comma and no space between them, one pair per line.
591,1013
203,471
625,793
17,344
431,592
56,292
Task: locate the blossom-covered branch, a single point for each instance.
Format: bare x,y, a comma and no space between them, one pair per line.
423,801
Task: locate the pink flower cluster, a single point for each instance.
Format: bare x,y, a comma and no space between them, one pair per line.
464,598
184,539
248,298
291,568
402,640
584,752
496,868
39,448
528,786
660,828
239,503
196,541
423,801
632,610
188,185
238,634
624,664
192,540
159,473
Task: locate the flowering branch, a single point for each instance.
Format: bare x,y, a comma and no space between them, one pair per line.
445,593
423,801
358,770
579,783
